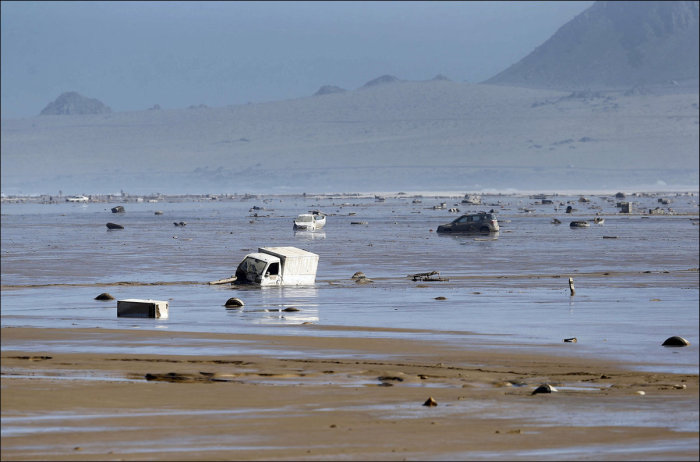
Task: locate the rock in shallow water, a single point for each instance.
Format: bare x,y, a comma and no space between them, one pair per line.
234,302
675,341
104,296
544,388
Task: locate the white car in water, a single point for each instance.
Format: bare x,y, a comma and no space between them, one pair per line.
309,221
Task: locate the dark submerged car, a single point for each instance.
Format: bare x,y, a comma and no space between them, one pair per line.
481,222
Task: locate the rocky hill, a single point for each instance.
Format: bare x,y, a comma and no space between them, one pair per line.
615,45
71,103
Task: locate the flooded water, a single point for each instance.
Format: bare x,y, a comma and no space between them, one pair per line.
636,275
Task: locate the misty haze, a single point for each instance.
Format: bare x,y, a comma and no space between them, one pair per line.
607,101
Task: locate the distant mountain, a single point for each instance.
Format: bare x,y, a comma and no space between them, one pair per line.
381,80
70,103
613,45
329,89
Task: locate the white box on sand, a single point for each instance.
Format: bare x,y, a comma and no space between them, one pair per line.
135,308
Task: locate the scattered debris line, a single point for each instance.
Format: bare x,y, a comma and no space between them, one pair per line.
427,276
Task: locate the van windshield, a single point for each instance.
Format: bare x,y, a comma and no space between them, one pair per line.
253,266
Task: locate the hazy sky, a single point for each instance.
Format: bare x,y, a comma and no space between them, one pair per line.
132,55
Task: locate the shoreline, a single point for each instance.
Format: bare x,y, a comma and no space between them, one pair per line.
361,399
46,198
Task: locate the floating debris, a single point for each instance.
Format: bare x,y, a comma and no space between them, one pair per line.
158,212
223,281
358,223
571,340
118,209
114,226
139,308
579,224
360,278
441,298
291,308
179,223
571,287
427,276
556,221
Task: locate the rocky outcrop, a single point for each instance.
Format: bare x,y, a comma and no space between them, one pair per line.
71,103
614,45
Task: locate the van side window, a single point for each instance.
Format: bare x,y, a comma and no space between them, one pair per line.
273,269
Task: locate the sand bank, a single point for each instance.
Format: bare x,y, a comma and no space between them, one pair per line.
361,399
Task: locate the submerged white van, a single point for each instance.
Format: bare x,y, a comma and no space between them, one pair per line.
278,266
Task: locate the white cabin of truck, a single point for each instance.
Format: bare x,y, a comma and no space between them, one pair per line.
280,265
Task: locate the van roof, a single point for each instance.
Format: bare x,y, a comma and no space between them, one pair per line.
288,251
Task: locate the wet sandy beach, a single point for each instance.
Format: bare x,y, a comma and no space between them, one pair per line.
364,404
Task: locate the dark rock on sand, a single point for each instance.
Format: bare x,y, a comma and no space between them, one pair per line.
173,377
